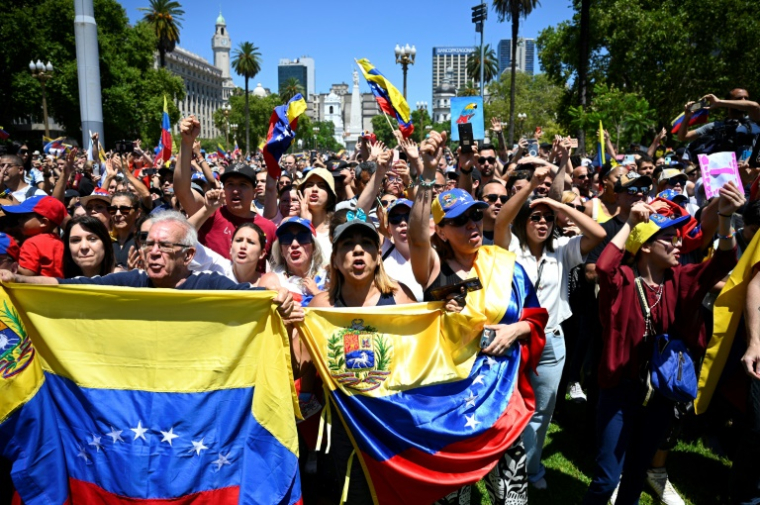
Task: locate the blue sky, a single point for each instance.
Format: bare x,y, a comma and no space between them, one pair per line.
334,33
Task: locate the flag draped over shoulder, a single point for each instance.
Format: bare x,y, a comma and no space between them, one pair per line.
699,117
164,151
425,411
390,99
282,131
727,314
136,400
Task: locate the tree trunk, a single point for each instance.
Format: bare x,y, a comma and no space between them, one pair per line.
512,87
247,122
583,68
162,58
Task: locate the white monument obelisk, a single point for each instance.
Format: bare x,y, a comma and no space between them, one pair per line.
355,121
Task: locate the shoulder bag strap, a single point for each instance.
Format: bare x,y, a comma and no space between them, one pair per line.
389,251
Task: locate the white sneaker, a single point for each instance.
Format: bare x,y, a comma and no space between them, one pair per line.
658,480
614,494
540,484
576,392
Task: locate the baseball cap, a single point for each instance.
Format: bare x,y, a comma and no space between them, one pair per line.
671,195
644,231
300,221
396,203
45,206
9,246
163,171
197,176
242,170
669,173
632,179
356,220
454,203
323,174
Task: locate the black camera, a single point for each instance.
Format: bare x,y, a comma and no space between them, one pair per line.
466,140
124,146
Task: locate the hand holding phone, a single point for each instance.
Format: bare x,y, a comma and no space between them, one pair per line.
465,286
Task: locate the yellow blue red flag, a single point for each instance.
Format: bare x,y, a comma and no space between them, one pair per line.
390,99
428,413
282,131
125,398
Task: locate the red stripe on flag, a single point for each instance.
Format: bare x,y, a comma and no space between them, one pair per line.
88,493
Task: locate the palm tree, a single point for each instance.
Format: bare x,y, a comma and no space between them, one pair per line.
491,69
469,89
165,16
290,88
583,66
247,63
511,10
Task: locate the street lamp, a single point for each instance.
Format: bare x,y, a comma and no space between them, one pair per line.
521,117
226,110
300,144
422,107
316,138
234,128
43,73
405,57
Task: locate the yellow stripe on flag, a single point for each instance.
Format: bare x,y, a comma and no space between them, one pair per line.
295,109
397,99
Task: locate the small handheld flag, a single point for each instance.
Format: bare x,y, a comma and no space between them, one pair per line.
699,117
282,131
388,97
165,141
220,150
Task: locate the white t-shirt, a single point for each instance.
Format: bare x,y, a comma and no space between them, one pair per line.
323,237
206,260
27,192
553,287
400,269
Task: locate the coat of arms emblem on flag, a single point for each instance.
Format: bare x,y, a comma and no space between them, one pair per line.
359,358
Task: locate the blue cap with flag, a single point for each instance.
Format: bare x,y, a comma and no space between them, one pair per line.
453,203
642,232
297,221
673,196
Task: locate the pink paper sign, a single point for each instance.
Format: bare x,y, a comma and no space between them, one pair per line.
718,169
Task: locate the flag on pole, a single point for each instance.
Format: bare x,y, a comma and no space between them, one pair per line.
52,144
282,130
602,157
236,151
220,150
699,117
165,141
147,408
390,99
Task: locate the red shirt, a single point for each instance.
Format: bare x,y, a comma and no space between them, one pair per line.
42,254
624,350
216,232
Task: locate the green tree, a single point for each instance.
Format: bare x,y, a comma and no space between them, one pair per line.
511,10
491,68
290,88
536,96
383,130
247,63
165,17
469,89
259,111
325,138
420,119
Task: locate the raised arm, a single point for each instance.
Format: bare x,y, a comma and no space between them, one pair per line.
466,162
381,157
499,131
203,164
684,135
142,191
191,201
502,234
59,191
593,233
751,108
656,142
751,358
213,200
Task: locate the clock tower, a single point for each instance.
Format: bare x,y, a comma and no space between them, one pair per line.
221,44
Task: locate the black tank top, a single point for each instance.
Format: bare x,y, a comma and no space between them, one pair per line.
446,277
383,300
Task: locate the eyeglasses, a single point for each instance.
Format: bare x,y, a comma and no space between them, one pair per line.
635,190
304,237
393,178
576,207
674,241
537,217
675,180
489,159
124,209
96,208
385,203
164,247
492,198
475,216
141,236
398,218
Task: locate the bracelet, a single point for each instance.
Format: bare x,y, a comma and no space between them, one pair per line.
426,184
724,215
466,172
727,237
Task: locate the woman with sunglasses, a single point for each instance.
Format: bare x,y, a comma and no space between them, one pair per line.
565,225
455,253
297,260
641,266
124,211
88,250
548,260
395,251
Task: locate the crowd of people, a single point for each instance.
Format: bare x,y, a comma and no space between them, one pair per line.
619,255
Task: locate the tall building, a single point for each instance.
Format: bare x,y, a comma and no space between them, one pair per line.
454,58
526,55
221,44
302,69
318,109
442,96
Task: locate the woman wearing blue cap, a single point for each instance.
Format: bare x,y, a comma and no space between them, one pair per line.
649,295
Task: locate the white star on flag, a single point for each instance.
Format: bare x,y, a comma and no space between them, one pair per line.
471,400
139,431
478,380
95,442
490,361
83,454
198,447
169,435
221,461
115,435
471,422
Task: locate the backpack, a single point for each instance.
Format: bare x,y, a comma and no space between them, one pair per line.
672,370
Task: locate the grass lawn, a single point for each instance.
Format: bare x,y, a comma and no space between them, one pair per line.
700,476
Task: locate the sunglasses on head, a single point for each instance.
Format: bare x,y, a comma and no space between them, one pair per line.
489,159
576,207
537,217
124,209
475,216
635,190
398,218
492,198
385,203
303,237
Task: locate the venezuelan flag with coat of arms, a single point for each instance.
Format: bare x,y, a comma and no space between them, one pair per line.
426,412
133,400
388,97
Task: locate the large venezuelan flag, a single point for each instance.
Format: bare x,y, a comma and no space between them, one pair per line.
146,396
427,413
282,130
388,97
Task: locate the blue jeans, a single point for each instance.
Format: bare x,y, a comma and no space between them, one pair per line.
628,435
545,386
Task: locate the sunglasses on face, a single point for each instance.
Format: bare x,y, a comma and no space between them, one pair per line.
303,237
489,159
675,180
537,217
475,216
576,207
397,219
124,209
582,177
635,190
674,241
385,203
492,198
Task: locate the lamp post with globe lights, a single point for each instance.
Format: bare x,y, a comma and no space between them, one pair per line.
422,107
521,117
234,128
43,73
405,57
